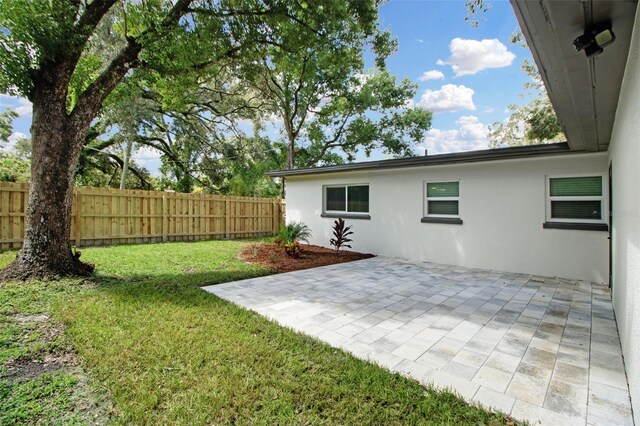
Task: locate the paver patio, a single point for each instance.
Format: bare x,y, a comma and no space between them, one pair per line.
538,348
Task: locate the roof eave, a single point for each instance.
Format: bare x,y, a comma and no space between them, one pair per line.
432,160
584,91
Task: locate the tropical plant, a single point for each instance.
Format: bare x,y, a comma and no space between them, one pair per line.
290,235
341,234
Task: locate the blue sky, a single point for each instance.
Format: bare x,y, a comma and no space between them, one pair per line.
434,37
467,76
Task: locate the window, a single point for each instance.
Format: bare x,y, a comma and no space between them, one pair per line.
443,199
577,199
353,199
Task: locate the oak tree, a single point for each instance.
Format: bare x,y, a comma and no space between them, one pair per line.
49,55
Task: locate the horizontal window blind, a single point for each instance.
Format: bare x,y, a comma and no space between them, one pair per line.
443,207
576,186
576,210
443,189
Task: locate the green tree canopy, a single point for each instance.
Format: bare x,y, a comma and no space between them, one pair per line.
68,56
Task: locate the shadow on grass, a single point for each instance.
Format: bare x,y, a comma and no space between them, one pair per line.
178,288
170,353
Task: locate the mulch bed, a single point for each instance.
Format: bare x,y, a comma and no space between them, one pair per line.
272,256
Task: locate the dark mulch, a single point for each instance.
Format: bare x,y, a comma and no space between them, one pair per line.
272,256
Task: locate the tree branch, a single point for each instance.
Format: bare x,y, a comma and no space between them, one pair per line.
90,100
92,15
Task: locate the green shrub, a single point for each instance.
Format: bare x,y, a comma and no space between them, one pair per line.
290,235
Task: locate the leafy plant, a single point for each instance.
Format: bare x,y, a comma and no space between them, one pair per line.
293,249
290,235
292,232
341,234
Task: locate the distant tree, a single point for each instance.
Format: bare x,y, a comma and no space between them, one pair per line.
49,56
474,9
533,123
329,104
13,168
15,164
6,124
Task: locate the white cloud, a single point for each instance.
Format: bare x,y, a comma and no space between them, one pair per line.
16,136
147,157
12,139
471,56
419,40
449,98
431,75
22,106
489,109
471,135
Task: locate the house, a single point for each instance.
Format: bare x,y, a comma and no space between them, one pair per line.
570,210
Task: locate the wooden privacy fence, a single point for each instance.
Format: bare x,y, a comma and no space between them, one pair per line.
105,216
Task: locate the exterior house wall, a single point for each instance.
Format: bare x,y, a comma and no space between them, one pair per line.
624,154
502,205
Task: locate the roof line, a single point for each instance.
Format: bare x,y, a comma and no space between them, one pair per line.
431,160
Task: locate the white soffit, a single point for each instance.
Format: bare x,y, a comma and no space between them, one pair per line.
584,91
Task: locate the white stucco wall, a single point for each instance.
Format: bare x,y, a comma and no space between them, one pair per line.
502,204
624,153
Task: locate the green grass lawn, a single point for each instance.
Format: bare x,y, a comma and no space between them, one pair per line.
144,345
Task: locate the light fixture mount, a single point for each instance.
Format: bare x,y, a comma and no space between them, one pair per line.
594,39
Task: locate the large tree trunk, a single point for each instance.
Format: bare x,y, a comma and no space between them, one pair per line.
57,141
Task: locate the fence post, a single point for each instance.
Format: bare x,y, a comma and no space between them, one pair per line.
281,213
227,220
165,226
275,221
77,200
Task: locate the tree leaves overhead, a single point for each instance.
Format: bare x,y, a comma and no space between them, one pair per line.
217,64
331,106
532,123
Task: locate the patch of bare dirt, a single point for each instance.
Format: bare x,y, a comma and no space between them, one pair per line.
93,406
25,319
30,368
273,256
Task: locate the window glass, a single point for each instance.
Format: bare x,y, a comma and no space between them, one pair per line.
443,189
358,199
336,199
577,199
576,210
443,207
443,198
576,186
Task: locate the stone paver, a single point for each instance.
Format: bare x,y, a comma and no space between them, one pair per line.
538,348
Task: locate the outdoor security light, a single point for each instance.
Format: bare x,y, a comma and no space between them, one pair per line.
594,39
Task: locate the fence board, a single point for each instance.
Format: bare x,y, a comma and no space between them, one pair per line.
106,216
